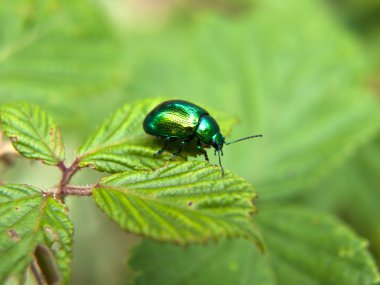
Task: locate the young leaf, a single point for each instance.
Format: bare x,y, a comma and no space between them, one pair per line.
303,247
33,132
182,203
120,143
33,224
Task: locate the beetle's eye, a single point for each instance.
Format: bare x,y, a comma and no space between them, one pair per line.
215,145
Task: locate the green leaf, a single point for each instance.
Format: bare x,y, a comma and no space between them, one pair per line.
183,203
33,132
303,247
120,143
313,247
31,220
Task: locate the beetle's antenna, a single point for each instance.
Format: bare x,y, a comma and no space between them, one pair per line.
220,162
242,139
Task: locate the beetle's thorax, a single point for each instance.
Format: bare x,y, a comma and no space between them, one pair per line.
209,133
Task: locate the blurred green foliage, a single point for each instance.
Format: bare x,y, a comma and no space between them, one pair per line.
304,73
351,192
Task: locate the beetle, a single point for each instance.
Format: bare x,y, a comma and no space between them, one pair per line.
184,121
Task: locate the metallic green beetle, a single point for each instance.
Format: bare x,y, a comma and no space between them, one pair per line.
184,121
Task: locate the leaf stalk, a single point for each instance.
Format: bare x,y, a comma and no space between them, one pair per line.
76,190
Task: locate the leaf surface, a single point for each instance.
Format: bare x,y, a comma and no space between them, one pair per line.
33,132
30,220
303,247
182,203
120,143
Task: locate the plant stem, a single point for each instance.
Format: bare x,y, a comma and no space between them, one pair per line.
78,190
67,174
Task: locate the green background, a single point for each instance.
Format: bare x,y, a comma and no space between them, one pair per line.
306,74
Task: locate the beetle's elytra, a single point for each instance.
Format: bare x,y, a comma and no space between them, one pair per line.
185,121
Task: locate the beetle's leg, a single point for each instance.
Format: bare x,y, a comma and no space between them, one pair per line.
181,146
164,147
202,150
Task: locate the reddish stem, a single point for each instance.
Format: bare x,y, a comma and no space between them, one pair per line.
78,190
67,174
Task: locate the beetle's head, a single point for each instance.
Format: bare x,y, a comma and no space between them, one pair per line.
217,141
